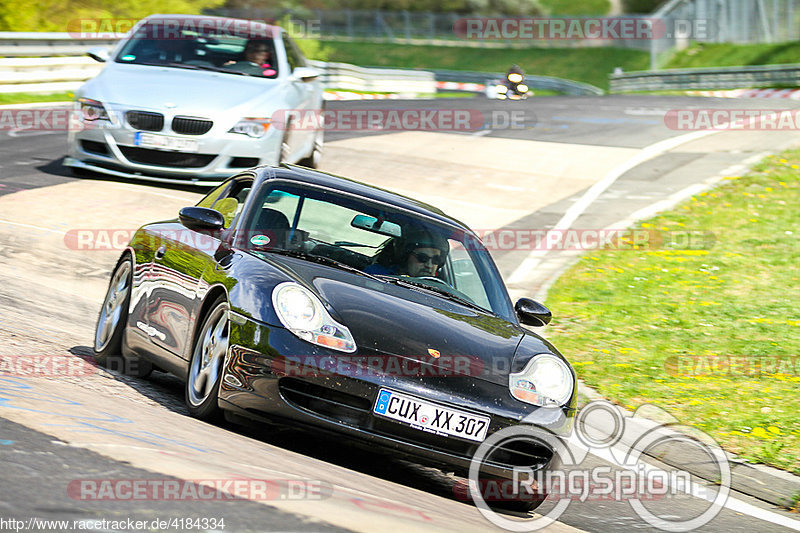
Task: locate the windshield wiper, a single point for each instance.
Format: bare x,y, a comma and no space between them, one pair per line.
321,259
410,283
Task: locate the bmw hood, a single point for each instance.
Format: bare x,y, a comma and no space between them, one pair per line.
195,92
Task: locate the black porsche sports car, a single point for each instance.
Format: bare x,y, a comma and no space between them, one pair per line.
291,295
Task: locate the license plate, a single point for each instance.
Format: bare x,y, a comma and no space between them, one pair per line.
430,417
148,140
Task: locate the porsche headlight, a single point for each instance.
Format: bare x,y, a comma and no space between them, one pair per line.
302,313
546,380
92,110
252,127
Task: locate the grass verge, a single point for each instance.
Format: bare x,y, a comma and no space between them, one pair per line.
734,55
29,98
711,335
588,65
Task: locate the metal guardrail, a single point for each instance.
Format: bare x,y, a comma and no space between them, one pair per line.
352,77
574,88
67,73
45,44
707,78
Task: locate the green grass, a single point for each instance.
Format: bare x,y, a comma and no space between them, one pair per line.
27,98
634,323
589,65
734,55
571,7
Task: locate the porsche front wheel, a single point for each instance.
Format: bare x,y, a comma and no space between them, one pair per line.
205,366
110,330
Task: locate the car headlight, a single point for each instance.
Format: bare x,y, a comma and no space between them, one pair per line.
546,380
302,313
252,127
92,110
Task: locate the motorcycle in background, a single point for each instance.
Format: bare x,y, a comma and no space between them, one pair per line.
512,87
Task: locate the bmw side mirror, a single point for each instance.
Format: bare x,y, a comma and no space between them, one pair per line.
532,313
99,53
305,74
201,218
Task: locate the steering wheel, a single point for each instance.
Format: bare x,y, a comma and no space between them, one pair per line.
433,278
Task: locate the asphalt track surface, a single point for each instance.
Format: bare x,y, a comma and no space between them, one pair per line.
106,426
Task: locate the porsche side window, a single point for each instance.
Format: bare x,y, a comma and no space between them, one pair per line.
463,274
213,196
231,201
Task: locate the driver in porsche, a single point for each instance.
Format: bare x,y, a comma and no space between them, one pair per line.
417,253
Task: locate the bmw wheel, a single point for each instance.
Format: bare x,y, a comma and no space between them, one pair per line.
315,158
205,367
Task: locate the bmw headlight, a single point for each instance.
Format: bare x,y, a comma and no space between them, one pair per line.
92,110
546,380
302,313
252,127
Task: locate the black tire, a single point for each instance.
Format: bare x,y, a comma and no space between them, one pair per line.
204,375
314,159
284,151
525,503
110,330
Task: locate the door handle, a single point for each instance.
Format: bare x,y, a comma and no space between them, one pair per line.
160,252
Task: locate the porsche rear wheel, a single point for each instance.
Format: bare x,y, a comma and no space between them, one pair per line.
205,367
110,330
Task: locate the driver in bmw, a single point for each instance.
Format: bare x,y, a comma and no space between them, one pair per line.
418,253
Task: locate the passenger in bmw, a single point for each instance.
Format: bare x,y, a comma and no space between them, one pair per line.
417,253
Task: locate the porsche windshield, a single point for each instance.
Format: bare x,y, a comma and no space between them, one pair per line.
190,49
392,244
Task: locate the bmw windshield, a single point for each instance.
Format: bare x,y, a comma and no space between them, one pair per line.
197,47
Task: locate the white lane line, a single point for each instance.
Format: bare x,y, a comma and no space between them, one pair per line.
651,210
693,489
144,189
31,226
579,207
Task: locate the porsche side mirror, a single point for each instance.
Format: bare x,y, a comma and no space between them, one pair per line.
99,53
201,218
305,74
532,313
